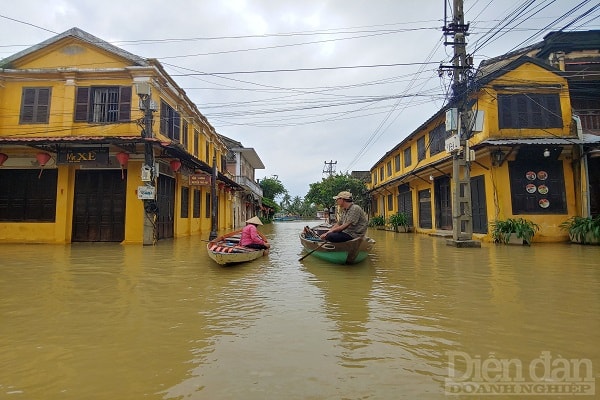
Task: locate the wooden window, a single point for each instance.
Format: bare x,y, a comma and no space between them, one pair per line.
35,105
196,142
388,167
196,205
521,111
27,196
170,121
397,163
407,157
421,149
103,104
184,134
437,139
390,202
381,177
185,202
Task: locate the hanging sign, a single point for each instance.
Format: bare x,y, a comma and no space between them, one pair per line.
96,156
452,143
146,192
199,180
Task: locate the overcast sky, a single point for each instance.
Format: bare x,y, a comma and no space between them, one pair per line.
303,82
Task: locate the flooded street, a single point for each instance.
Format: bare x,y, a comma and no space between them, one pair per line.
106,321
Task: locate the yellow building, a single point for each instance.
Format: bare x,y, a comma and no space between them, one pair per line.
97,144
530,154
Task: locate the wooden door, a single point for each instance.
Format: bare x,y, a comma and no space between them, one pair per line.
478,206
443,203
99,206
165,199
425,208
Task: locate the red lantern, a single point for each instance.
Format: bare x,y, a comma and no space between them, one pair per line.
175,165
42,158
122,157
3,157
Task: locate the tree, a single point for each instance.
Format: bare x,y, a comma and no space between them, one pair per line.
321,193
272,187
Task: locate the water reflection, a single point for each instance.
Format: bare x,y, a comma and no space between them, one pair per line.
100,321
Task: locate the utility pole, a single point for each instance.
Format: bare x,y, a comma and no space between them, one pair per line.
148,170
462,210
329,168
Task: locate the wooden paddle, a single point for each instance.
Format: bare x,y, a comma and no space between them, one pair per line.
312,251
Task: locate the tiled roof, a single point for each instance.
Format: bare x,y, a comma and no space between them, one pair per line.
81,35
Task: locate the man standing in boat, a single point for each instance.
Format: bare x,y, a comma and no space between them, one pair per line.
353,220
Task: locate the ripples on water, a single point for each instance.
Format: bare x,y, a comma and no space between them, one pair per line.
105,321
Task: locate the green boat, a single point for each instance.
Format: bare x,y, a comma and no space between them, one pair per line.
350,252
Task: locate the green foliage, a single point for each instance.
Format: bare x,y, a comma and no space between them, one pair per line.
298,206
377,220
399,219
321,193
270,203
272,187
584,230
523,228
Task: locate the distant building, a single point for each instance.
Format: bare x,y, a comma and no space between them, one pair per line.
242,163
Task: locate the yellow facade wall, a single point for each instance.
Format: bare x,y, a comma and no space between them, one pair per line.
70,63
530,78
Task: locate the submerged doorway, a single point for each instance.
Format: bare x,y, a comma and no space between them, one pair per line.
99,206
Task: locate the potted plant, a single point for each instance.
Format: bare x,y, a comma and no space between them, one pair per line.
399,222
377,221
584,230
514,231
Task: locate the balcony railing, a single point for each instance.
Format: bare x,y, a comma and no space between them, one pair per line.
249,184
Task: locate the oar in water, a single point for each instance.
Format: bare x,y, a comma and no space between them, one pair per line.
312,251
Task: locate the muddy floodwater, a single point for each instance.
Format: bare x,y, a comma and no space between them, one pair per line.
417,320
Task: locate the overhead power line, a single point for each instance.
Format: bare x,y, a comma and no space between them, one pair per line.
268,71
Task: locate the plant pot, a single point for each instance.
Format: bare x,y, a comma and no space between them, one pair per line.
589,239
514,239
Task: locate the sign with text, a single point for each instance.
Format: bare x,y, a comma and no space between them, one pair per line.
146,192
452,144
199,180
84,155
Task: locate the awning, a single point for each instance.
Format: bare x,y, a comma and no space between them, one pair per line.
588,138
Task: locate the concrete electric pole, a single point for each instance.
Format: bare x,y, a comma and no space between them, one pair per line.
148,170
329,168
456,121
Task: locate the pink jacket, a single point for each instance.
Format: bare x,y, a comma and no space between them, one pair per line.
250,235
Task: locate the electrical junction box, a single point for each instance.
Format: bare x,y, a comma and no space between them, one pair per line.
452,119
476,121
146,173
452,144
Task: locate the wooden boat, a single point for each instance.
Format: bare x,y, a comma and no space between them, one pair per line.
350,252
227,250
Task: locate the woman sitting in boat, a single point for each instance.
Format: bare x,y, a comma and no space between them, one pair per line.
250,236
353,221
